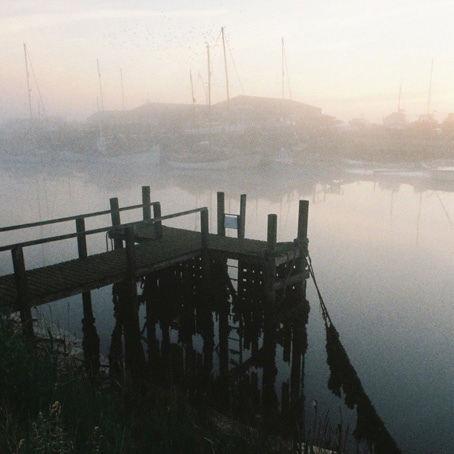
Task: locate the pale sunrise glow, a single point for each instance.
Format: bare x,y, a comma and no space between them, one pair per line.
348,58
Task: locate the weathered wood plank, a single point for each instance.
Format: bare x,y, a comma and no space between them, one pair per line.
76,276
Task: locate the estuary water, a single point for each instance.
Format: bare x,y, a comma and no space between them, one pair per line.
382,247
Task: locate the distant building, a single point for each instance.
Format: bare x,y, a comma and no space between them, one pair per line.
242,112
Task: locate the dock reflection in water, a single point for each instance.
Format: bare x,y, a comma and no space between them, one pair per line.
218,337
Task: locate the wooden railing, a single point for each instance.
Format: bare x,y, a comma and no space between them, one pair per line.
81,233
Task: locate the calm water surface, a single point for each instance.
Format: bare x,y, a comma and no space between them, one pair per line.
382,248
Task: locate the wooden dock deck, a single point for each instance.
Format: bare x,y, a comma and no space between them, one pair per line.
149,247
61,280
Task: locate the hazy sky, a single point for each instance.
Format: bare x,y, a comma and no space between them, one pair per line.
347,57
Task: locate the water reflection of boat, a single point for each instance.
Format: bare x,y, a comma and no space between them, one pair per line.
202,156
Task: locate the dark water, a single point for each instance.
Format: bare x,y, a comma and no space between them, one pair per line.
383,252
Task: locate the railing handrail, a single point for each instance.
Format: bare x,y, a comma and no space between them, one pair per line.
101,229
73,218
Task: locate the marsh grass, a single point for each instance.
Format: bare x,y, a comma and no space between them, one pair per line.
48,404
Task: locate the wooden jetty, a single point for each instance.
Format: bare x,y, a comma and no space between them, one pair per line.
144,247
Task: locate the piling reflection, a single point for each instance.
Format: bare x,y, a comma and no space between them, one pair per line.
218,335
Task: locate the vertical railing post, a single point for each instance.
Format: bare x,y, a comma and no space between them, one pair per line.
204,227
115,217
221,213
22,291
270,259
157,225
130,257
303,216
271,237
81,238
146,200
242,218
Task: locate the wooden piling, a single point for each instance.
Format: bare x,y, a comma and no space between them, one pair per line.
271,237
270,262
90,341
115,217
131,259
221,213
158,224
204,228
242,217
146,200
23,300
81,238
303,217
135,359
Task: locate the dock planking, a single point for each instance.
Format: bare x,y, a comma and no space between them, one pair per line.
149,247
54,282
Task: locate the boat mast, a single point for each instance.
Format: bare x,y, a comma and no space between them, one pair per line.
192,91
226,72
400,94
122,90
430,86
209,89
283,68
100,86
29,91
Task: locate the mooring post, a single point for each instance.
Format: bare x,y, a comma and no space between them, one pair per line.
221,213
204,231
22,291
242,218
303,242
146,201
204,227
135,359
158,224
115,217
90,341
131,262
81,238
303,217
271,236
270,262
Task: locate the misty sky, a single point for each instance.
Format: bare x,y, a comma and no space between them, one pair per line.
346,57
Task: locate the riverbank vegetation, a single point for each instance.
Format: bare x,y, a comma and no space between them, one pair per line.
48,404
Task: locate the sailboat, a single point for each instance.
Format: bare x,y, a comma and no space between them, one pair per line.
122,149
197,152
396,120
426,122
29,142
239,156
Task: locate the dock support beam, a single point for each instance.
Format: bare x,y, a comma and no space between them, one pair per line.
22,291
